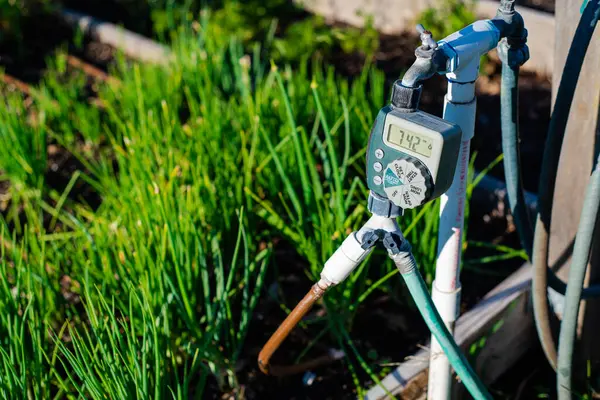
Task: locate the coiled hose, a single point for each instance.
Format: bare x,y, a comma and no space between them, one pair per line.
581,255
542,275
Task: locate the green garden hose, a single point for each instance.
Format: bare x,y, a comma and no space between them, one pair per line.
509,96
542,276
581,254
407,265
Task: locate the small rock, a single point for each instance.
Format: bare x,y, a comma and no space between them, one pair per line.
308,378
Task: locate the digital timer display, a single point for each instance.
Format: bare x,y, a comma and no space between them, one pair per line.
410,141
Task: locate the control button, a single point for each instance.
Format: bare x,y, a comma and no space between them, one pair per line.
379,153
406,200
417,192
391,179
377,180
378,166
400,168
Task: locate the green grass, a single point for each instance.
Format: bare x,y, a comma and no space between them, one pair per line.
447,17
199,166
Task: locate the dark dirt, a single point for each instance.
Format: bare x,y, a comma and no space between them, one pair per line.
384,331
41,36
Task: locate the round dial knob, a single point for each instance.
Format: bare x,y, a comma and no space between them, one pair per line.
407,182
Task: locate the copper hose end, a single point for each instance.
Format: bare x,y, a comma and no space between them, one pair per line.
263,368
315,293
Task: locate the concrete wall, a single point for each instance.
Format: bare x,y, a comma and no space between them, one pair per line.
396,16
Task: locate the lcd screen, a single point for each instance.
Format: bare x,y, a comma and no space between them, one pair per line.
410,141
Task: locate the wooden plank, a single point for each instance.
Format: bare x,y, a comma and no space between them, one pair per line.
89,69
505,346
17,84
496,305
516,333
130,43
578,153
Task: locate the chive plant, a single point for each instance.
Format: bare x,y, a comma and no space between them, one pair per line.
199,164
27,298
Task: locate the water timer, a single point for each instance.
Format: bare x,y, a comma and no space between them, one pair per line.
411,156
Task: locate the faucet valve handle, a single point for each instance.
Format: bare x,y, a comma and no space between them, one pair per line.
426,38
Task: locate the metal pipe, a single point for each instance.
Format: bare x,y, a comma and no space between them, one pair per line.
421,70
429,61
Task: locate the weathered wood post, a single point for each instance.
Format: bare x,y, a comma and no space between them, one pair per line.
578,157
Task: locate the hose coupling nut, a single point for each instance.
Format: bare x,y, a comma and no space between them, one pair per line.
406,98
393,242
514,55
320,288
378,205
404,259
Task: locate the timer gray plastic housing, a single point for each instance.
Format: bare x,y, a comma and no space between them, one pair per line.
412,156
